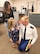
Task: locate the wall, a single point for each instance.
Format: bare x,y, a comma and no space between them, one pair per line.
19,3
2,2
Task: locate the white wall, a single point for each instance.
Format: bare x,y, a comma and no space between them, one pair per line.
2,2
19,3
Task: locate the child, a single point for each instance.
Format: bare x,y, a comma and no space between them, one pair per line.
13,31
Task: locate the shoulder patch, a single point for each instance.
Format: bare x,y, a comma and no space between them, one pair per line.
31,27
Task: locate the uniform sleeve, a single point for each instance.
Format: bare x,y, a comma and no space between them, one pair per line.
35,36
20,34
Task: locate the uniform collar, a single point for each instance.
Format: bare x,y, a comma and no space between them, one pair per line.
24,25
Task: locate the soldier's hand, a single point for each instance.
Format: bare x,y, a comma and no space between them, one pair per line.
30,45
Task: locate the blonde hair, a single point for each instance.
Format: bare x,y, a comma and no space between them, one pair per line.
10,21
25,18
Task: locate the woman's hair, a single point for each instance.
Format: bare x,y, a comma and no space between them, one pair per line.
10,21
6,5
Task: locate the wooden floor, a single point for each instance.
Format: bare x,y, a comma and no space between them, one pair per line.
6,47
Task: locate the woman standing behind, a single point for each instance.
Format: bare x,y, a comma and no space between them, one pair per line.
7,13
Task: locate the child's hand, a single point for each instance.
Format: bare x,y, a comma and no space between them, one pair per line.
18,27
11,40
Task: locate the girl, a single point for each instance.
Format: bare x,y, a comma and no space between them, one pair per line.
13,31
